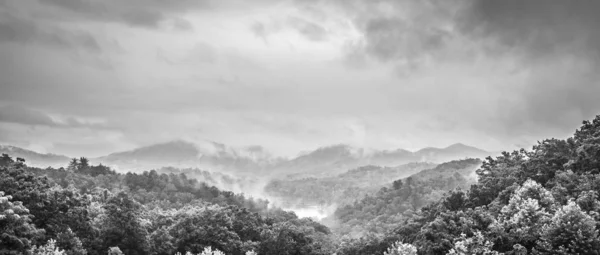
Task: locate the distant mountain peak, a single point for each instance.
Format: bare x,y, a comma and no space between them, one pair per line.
336,150
461,146
211,155
458,145
33,158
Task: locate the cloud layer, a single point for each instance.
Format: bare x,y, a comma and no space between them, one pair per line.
295,75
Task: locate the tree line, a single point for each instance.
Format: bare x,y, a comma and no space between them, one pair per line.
87,209
538,201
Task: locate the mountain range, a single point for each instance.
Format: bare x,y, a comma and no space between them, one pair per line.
212,156
34,158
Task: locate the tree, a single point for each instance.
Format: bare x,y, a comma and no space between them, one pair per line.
285,238
521,221
209,251
17,231
6,160
455,200
211,226
84,164
73,165
494,176
49,249
399,248
123,226
30,190
475,245
162,242
114,251
571,231
397,184
587,142
70,243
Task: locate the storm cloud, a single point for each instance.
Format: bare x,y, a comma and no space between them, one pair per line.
295,75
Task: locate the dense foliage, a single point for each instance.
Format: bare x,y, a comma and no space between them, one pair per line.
88,209
542,201
381,212
340,189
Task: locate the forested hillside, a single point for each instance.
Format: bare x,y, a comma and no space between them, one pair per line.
538,201
378,213
340,189
88,209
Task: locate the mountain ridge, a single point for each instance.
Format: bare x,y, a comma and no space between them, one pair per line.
34,158
323,161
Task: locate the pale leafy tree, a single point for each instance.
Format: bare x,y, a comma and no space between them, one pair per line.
399,248
531,190
207,251
521,221
48,249
251,253
69,241
476,245
114,251
571,231
16,229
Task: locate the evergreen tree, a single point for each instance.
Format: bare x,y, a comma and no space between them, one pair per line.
73,165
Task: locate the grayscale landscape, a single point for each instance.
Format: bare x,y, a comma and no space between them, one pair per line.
299,127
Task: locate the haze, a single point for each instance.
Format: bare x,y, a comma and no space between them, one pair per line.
87,78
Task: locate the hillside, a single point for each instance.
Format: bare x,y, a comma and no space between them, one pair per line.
380,212
326,161
340,189
57,211
207,155
34,158
538,201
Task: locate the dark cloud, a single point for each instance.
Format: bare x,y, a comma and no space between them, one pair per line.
554,47
181,24
259,29
505,70
14,113
310,30
143,18
95,8
138,13
406,33
556,42
21,115
17,30
400,30
395,38
537,28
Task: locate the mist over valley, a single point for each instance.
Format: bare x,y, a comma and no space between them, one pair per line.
295,127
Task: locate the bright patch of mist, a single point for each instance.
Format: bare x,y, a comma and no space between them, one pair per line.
253,187
313,212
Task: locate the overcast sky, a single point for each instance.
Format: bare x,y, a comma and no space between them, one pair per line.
90,77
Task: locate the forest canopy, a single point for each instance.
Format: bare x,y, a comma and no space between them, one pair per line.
538,201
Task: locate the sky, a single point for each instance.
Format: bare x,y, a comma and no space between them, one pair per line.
92,77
